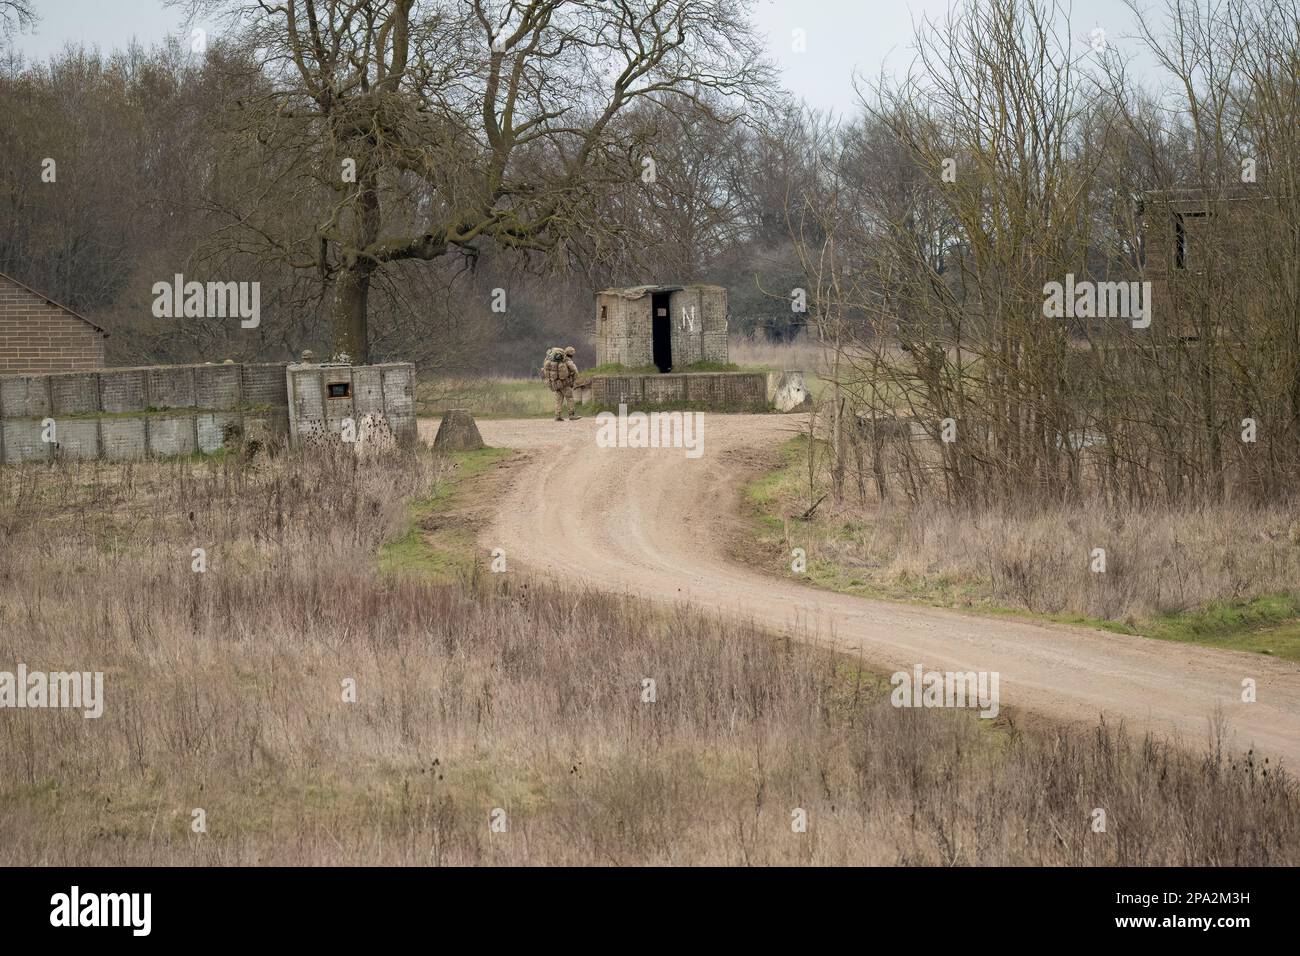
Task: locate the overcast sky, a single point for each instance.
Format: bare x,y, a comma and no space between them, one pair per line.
842,36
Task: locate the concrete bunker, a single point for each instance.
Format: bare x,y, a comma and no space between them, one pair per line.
362,404
667,327
664,347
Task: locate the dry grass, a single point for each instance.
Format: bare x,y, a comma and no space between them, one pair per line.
223,692
804,355
488,397
1158,560
1221,573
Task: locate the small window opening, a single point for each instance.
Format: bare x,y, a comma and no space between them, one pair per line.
339,389
1182,253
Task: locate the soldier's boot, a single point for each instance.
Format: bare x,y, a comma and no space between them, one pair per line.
574,416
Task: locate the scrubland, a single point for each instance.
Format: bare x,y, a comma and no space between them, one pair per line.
1223,573
225,692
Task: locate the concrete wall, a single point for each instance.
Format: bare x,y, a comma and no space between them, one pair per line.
625,330
124,413
699,314
719,391
37,335
374,398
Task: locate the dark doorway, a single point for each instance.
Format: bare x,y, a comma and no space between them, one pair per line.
662,330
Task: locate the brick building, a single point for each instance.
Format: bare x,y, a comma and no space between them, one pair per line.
39,335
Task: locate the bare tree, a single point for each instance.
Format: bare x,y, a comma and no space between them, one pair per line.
17,15
409,131
1012,157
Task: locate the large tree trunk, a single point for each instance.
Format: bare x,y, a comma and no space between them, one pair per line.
348,315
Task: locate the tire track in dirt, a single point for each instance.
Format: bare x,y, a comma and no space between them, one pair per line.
654,523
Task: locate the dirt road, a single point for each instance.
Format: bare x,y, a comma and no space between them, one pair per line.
654,523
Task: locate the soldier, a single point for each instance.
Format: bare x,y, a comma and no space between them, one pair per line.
561,373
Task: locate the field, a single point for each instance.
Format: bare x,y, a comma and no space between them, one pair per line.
500,397
478,700
1223,575
487,397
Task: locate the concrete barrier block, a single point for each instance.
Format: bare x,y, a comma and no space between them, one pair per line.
217,387
264,384
788,392
78,439
122,390
171,386
122,438
24,396
213,428
22,442
76,393
172,436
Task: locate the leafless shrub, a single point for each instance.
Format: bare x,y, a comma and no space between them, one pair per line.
223,692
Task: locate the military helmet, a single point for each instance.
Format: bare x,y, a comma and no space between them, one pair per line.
570,351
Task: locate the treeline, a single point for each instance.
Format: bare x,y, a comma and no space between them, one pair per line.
502,170
124,169
1016,155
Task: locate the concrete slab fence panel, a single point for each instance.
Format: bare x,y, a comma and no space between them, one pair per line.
78,439
25,396
172,386
74,393
124,413
123,390
122,439
22,443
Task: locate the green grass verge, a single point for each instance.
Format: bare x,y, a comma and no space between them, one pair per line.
488,398
613,368
443,551
1267,625
491,398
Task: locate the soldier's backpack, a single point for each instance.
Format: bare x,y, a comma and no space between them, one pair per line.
555,369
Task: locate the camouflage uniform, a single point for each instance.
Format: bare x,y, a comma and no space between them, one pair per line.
561,373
